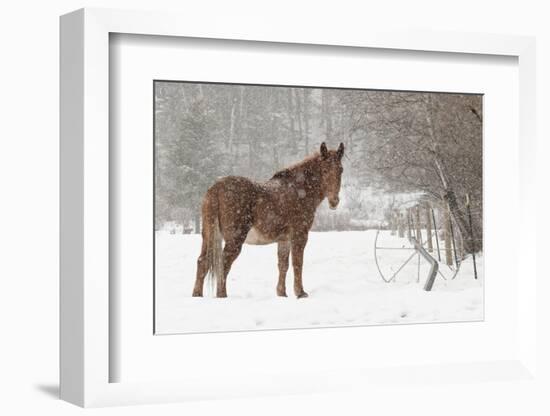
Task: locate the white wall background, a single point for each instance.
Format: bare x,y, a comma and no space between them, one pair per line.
29,56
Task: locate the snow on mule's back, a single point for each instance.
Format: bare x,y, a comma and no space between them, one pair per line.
339,274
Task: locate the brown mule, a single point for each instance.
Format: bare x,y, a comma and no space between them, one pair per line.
280,210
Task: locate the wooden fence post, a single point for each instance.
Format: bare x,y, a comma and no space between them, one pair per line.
429,228
447,234
400,225
471,233
460,246
418,228
436,235
409,224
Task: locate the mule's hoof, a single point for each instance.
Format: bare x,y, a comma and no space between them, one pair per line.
302,295
197,294
281,294
221,295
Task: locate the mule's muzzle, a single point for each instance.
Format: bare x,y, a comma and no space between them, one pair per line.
333,202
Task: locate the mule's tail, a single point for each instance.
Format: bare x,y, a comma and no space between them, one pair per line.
211,219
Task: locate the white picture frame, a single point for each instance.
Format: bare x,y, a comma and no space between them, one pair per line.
85,355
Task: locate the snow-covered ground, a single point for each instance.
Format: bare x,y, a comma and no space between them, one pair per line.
340,276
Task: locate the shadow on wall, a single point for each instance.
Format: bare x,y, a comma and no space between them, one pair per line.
51,390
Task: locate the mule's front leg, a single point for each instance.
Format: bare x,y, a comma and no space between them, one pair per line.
283,252
298,244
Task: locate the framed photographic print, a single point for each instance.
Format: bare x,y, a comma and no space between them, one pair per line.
289,200
332,175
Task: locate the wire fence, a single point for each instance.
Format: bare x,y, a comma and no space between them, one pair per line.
459,231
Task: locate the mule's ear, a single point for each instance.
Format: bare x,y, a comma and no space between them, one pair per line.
324,150
340,151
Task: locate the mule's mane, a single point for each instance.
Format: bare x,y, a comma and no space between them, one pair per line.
297,167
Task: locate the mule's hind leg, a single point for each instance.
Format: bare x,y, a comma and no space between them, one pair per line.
231,251
202,268
283,251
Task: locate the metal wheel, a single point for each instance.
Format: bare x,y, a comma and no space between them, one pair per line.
404,255
397,257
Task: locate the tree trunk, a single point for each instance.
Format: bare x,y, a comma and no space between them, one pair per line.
232,125
292,127
306,120
197,222
298,110
240,129
471,245
325,108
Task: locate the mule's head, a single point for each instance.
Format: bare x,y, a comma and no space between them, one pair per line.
331,173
